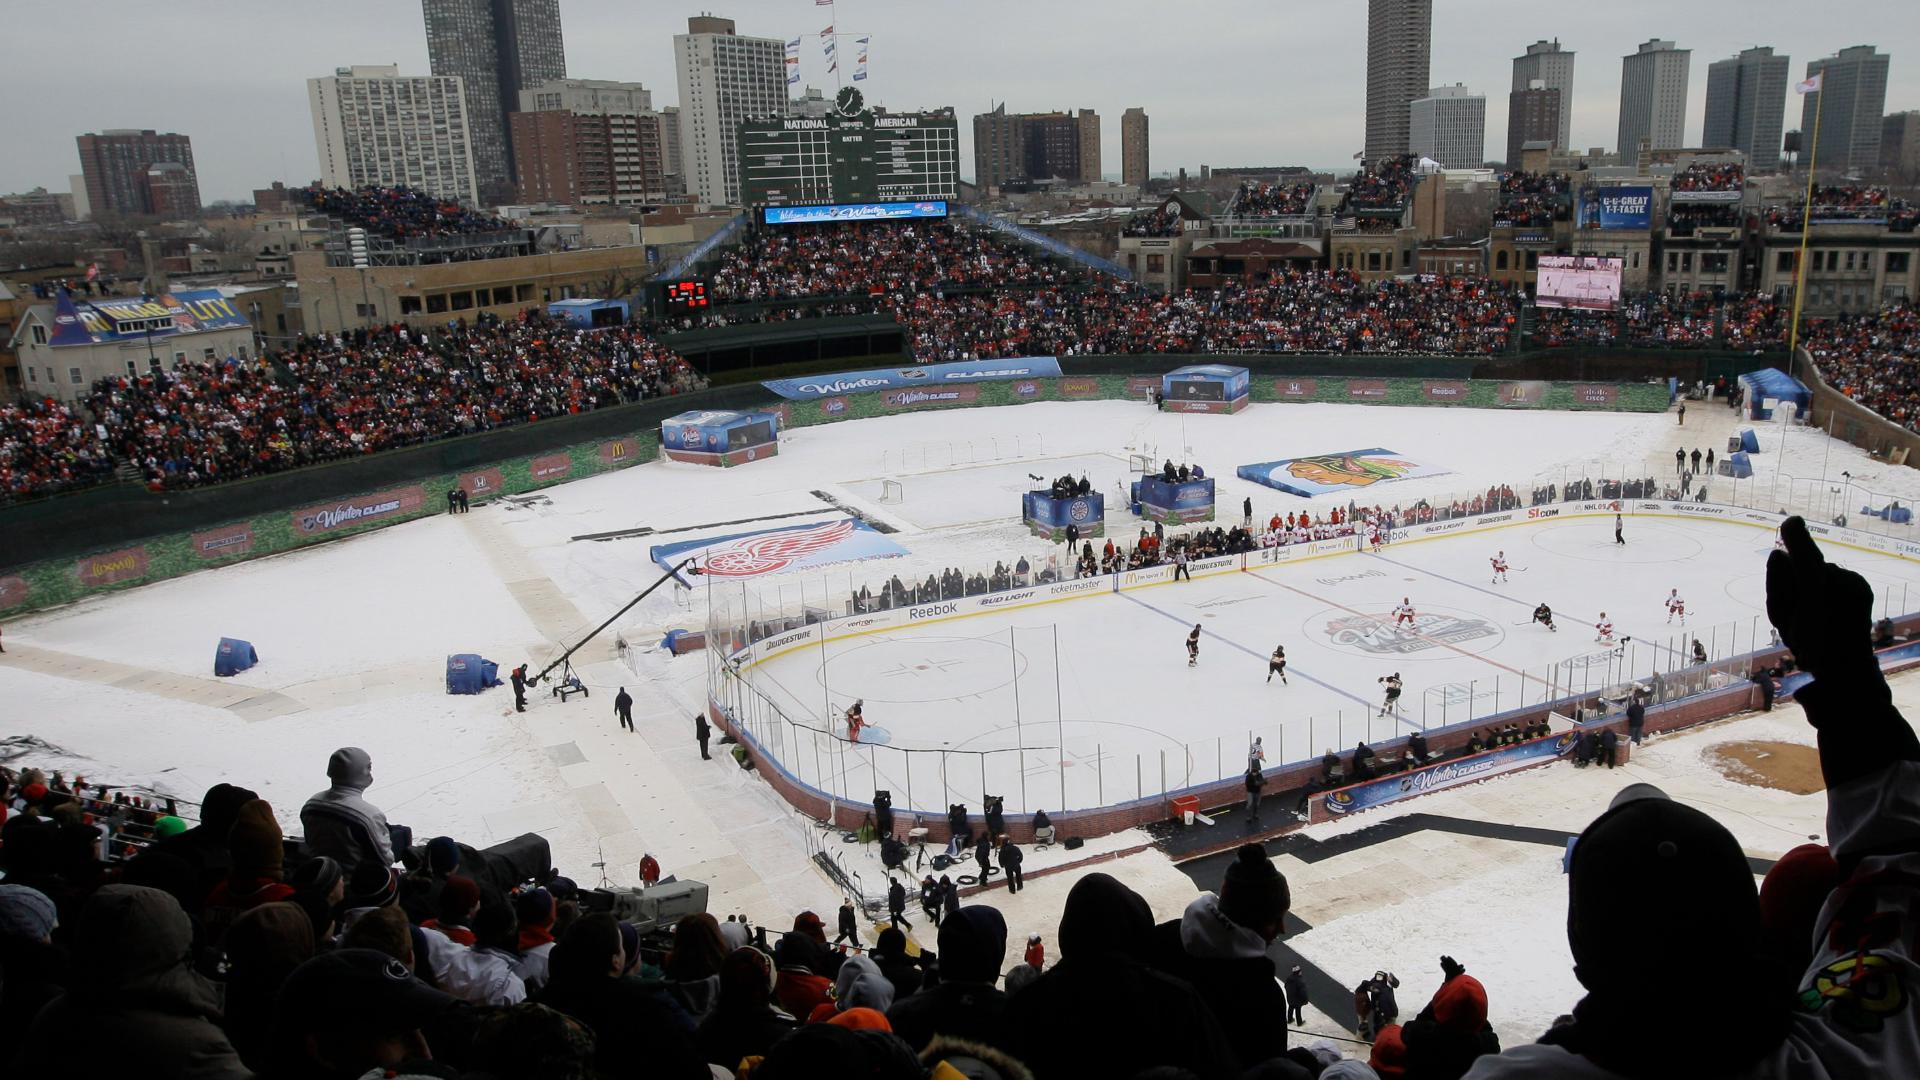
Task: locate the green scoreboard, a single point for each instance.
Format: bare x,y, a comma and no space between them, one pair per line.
851,156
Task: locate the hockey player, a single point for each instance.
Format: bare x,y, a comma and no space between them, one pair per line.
1499,561
1193,646
856,719
1392,703
1676,606
1603,630
1373,537
1277,664
1404,613
1544,616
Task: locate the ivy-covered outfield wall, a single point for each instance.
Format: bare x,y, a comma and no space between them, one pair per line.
294,522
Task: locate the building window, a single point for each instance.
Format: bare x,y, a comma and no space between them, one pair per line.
73,375
1713,262
460,301
1686,261
33,373
133,370
1500,259
1784,263
1373,260
1849,260
1898,262
1156,264
437,304
503,294
410,305
1533,260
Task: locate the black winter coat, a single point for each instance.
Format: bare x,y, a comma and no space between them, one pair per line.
1243,994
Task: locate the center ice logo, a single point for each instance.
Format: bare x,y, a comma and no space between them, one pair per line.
1349,470
1377,634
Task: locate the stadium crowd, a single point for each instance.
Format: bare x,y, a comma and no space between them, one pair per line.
400,213
1257,198
226,949
1725,176
1155,222
1850,202
1382,186
864,258
45,449
1533,200
1651,319
1873,359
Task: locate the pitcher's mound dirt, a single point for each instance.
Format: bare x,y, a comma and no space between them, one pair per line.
1779,765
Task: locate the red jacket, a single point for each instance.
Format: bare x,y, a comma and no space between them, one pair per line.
1036,954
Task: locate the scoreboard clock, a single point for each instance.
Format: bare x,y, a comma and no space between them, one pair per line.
850,155
686,295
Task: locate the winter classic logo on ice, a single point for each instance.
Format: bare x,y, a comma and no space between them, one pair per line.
1377,634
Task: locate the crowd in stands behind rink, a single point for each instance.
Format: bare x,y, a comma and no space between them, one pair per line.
1382,186
1534,200
1684,218
1257,198
1155,222
401,213
861,258
1652,319
1873,359
45,449
227,950
1726,176
1848,203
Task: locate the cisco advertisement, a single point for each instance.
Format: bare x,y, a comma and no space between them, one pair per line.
1616,208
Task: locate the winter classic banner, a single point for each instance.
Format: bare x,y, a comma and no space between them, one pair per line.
1447,774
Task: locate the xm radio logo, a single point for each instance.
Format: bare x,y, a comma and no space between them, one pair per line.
1377,634
775,551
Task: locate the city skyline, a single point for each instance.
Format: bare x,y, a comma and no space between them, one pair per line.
1301,101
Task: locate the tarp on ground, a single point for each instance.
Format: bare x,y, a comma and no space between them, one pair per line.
470,673
1772,384
1749,442
234,656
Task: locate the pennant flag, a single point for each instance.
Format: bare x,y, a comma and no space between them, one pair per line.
1810,86
863,41
822,3
827,33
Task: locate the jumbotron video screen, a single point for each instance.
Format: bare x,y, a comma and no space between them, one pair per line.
1587,282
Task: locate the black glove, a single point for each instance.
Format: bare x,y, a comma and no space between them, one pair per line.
1451,967
1824,613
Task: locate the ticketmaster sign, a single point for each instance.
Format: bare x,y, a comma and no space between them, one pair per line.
809,387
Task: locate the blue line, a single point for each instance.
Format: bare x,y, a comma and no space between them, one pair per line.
1291,670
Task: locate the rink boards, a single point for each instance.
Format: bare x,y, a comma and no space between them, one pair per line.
873,622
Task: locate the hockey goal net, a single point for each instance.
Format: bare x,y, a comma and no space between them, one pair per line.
1140,463
891,491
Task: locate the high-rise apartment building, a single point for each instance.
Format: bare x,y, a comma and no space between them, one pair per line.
1399,47
1653,98
1133,147
1746,106
115,166
1900,142
497,48
375,126
1533,116
1037,146
1854,84
724,79
589,141
1552,66
1449,125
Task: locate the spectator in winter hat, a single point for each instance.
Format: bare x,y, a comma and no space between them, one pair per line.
890,953
832,1050
318,888
692,969
420,889
349,1011
1790,898
529,1040
965,1004
384,930
459,903
1219,944
263,947
745,1021
35,969
535,910
256,877
639,1031
800,986
340,822
1102,984
858,985
131,979
167,826
204,847
1447,1036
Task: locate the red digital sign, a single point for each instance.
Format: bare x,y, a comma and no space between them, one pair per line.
687,294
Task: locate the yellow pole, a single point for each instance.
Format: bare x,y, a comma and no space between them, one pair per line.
1806,220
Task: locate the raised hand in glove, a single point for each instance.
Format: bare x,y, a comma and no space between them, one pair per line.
1824,613
1452,968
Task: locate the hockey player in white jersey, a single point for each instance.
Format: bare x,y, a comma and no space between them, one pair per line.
1499,562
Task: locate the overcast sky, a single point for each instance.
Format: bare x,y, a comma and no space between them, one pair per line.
1226,82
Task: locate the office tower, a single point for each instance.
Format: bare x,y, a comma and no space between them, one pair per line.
589,141
1854,82
1088,123
497,48
1900,142
724,79
1133,147
1653,98
115,166
373,126
1449,125
1533,116
1550,65
1399,43
1746,106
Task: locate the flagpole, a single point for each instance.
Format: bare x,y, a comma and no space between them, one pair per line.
1806,222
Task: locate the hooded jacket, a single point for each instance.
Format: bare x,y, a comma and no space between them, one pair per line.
1101,983
131,982
340,822
965,1004
860,984
1228,965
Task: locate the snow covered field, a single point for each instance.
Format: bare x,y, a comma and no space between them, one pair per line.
353,634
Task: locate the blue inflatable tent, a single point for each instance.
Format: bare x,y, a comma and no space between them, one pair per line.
1749,442
469,673
1737,465
234,656
1772,384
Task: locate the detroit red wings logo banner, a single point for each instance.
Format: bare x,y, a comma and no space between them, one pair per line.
773,550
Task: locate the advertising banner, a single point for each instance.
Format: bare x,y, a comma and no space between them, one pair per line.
1616,208
766,551
224,543
1444,393
1732,196
620,451
1531,394
358,510
1372,793
1367,389
930,395
1080,388
14,591
1347,471
1596,394
113,566
1296,389
483,483
550,467
803,215
808,387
